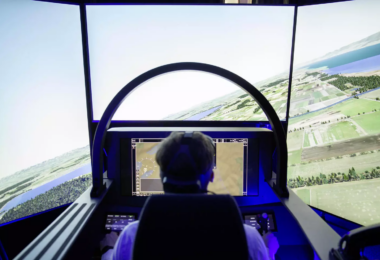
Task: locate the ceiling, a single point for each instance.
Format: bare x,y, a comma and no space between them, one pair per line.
261,2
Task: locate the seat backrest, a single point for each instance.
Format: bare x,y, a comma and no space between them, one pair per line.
190,227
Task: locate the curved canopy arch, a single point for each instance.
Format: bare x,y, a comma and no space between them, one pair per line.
103,125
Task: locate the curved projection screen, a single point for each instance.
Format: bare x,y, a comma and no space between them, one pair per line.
44,153
251,41
334,125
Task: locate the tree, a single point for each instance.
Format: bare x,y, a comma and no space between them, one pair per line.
377,98
373,173
331,178
300,182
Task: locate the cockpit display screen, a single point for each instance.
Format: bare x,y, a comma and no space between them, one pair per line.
117,222
230,167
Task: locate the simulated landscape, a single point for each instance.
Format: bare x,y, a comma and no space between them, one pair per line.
334,127
49,184
334,132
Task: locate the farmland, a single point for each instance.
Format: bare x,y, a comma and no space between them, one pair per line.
356,201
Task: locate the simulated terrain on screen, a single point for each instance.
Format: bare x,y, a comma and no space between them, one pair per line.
334,126
146,165
228,173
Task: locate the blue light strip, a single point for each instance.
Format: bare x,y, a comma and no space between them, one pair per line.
2,252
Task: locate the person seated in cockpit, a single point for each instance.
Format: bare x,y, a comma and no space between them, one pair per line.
177,164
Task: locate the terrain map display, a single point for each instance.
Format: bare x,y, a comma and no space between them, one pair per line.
228,175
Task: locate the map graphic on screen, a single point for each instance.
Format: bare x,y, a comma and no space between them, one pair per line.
334,124
252,41
45,157
229,170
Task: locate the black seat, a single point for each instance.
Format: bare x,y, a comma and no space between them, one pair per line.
190,227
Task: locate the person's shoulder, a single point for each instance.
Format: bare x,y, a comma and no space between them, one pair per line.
124,244
130,230
249,230
256,247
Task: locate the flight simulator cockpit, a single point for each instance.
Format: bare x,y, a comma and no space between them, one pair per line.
288,105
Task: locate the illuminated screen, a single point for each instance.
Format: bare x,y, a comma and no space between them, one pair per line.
334,125
44,153
117,222
230,168
251,41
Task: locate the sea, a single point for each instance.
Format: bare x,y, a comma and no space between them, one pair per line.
365,65
203,114
347,58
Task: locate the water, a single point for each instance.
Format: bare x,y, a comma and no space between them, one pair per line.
369,64
201,115
47,186
348,57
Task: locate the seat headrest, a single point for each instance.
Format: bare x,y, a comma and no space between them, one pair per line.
190,227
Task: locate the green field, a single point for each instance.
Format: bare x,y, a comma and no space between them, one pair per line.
361,163
357,201
355,106
317,95
349,108
304,117
302,104
372,95
294,157
325,98
369,122
306,142
339,131
294,140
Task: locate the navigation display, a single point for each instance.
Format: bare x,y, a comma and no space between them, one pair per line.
230,167
253,42
334,125
117,222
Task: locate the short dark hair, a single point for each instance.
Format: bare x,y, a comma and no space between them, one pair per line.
201,149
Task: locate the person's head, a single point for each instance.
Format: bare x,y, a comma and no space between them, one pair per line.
181,167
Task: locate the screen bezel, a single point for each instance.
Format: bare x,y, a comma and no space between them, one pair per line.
261,212
123,174
246,170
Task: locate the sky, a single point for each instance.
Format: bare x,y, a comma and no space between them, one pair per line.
327,27
42,93
125,41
